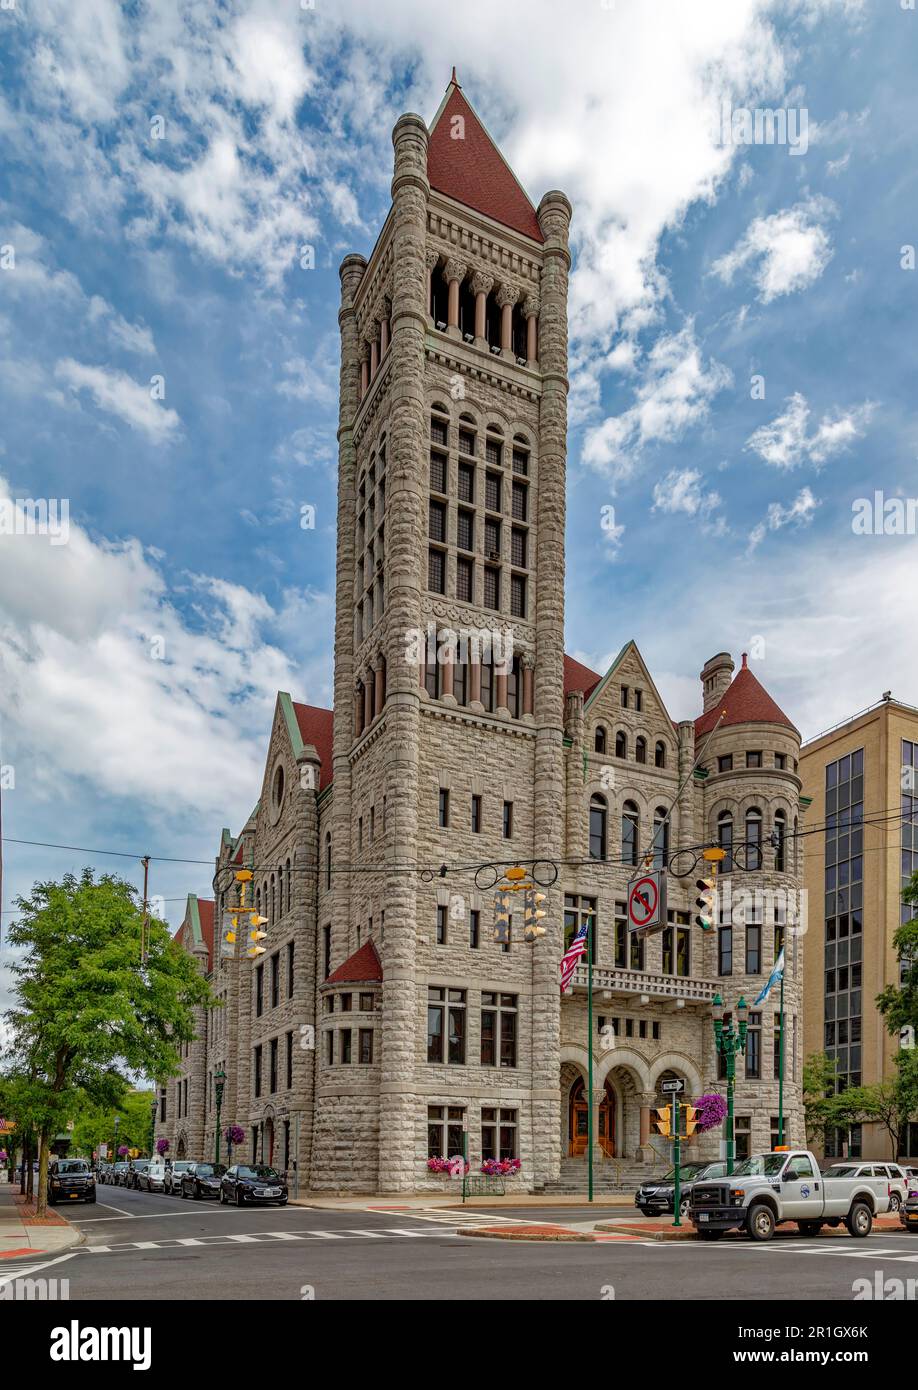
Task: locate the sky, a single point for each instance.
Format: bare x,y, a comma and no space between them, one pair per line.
179,182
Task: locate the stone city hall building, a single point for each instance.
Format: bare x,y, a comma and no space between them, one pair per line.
383,1016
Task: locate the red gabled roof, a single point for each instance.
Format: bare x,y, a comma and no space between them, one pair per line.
363,967
316,727
206,915
472,169
746,701
579,677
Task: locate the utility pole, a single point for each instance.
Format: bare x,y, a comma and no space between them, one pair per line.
145,861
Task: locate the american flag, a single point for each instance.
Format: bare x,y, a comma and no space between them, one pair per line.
575,950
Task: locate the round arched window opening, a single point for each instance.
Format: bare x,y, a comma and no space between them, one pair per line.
277,787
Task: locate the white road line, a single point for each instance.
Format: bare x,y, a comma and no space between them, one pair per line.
146,1245
97,1249
147,1216
374,1235
326,1235
189,1240
34,1269
283,1235
108,1207
243,1239
404,1231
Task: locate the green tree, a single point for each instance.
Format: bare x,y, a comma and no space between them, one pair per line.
899,1004
87,1008
820,1077
95,1124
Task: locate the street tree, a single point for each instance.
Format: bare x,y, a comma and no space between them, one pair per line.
899,1003
89,1010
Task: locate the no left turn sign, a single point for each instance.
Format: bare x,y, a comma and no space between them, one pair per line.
647,902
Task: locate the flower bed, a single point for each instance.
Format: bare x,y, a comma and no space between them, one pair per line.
455,1167
500,1167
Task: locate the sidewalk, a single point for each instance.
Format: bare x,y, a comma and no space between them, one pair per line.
408,1201
22,1234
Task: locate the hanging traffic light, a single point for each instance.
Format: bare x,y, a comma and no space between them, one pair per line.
706,902
691,1119
663,1120
533,914
502,917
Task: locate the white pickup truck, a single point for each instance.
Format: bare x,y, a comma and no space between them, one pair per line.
786,1185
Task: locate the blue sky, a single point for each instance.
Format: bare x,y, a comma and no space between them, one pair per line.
164,168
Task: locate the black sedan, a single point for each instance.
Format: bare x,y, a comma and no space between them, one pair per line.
657,1196
71,1180
247,1183
202,1180
908,1212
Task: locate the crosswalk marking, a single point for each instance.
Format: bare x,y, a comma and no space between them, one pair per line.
244,1240
189,1240
269,1238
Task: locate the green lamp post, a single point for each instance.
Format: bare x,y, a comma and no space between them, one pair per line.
728,1041
152,1122
219,1083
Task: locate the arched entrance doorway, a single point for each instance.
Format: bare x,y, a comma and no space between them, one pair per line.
578,1127
267,1142
180,1147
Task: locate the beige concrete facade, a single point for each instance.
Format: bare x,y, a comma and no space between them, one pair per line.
882,737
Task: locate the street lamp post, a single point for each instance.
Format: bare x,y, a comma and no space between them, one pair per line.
728,1041
115,1145
152,1122
219,1083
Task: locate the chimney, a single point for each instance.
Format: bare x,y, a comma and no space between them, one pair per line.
716,675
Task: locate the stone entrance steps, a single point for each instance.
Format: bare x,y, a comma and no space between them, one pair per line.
608,1176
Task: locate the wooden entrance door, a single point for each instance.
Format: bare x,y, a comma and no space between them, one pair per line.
579,1122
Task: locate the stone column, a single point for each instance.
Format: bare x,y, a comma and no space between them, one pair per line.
501,690
368,700
364,368
646,1101
554,219
527,661
374,355
379,689
475,683
384,328
531,314
358,711
453,273
431,260
482,285
507,296
346,713
399,1112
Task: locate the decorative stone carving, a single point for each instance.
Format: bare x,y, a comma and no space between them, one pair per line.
507,294
454,270
482,282
531,306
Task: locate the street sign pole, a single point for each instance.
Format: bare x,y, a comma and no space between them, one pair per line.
677,1153
781,1070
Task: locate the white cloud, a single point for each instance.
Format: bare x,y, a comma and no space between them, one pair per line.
118,394
681,490
675,392
88,702
785,442
797,513
786,252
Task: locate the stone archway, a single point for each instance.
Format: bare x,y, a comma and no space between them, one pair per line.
181,1147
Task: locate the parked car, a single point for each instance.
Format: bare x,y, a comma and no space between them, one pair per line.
202,1180
888,1174
70,1180
656,1196
119,1173
786,1185
252,1182
135,1168
172,1183
151,1178
908,1212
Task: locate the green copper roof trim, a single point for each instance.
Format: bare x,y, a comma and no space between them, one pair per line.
194,918
700,774
293,728
805,800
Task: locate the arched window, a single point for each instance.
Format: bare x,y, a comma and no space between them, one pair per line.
660,838
358,696
598,827
640,749
659,754
272,913
328,861
780,842
621,745
599,740
630,823
725,840
753,838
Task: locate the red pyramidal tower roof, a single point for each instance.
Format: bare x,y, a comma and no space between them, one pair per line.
464,163
363,967
746,701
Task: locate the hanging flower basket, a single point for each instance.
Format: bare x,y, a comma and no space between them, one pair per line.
162,1147
234,1134
712,1111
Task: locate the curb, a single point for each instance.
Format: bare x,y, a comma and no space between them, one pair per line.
531,1233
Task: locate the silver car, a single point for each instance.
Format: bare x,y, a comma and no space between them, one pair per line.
884,1178
172,1183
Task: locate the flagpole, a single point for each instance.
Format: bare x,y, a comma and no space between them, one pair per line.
781,1069
590,1056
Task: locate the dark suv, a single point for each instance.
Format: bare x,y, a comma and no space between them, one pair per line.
202,1180
71,1180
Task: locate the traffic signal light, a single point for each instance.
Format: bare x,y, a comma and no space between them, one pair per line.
533,914
706,902
502,917
691,1119
663,1120
256,935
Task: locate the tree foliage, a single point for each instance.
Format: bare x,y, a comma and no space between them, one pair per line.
899,1004
87,1009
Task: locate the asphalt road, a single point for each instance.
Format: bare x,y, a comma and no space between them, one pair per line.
147,1246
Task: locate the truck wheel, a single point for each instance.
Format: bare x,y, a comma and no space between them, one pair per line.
760,1223
684,1207
859,1219
895,1201
709,1235
809,1228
